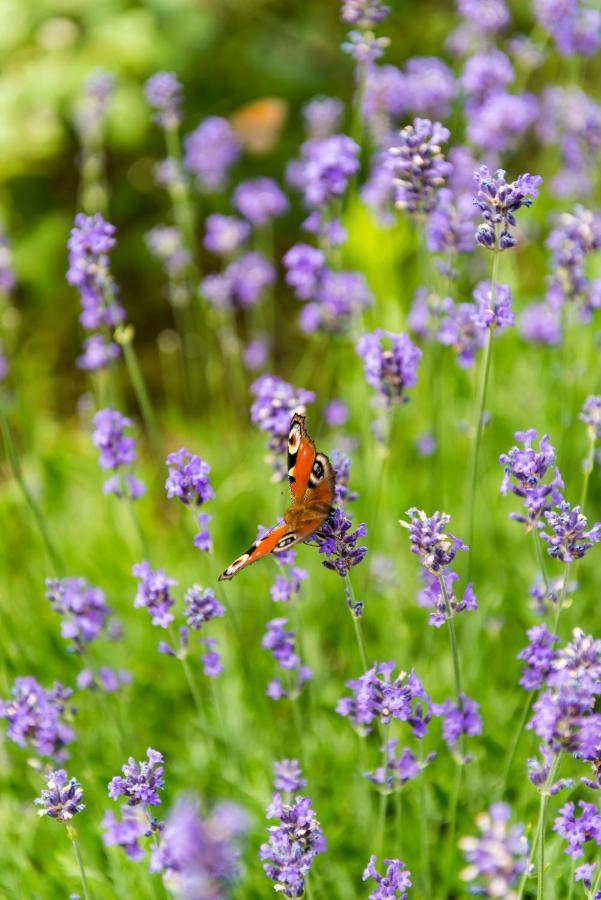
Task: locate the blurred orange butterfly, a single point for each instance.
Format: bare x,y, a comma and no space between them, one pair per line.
312,486
260,123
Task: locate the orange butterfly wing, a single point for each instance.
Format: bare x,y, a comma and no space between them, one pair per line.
259,549
301,456
312,484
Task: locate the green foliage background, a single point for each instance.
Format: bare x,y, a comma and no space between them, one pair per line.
226,54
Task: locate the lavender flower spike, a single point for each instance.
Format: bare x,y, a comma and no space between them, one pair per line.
141,782
339,544
418,165
83,607
188,478
498,201
153,593
292,846
569,540
163,92
391,370
429,540
498,857
396,879
62,798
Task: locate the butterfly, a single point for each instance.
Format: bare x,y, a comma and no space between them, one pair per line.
312,485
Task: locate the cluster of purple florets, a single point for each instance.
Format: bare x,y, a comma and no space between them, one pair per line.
117,453
282,644
90,243
38,718
293,844
82,607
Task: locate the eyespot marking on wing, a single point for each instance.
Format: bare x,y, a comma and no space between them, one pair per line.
236,565
284,542
318,470
294,438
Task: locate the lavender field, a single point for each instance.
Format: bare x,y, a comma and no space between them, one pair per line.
313,287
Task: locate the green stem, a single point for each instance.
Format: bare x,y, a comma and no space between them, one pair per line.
357,624
516,739
383,797
453,825
538,549
15,464
478,426
180,198
539,835
82,871
124,337
589,462
561,598
453,641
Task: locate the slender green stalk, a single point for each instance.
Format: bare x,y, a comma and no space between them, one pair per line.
571,885
423,818
180,198
453,641
78,857
124,336
357,624
453,824
538,549
383,803
516,739
539,836
587,468
15,465
540,881
480,405
561,598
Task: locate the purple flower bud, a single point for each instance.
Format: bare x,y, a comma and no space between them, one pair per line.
395,882
153,593
164,94
141,782
293,844
62,798
210,151
390,370
418,165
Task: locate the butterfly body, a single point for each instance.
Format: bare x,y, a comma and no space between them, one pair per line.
312,485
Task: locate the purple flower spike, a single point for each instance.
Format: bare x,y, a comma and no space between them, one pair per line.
153,593
591,416
493,315
418,165
322,117
525,469
398,769
363,13
458,720
83,607
225,234
271,411
578,831
164,94
62,798
538,656
498,201
432,598
569,540
292,846
36,717
338,543
574,26
390,363
201,607
188,478
377,697
576,236
210,151
498,857
141,782
288,777
395,882
429,540
260,200
128,831
197,856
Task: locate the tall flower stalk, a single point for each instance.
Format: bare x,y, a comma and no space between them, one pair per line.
498,201
31,502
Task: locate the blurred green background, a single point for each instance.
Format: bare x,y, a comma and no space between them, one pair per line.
227,54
